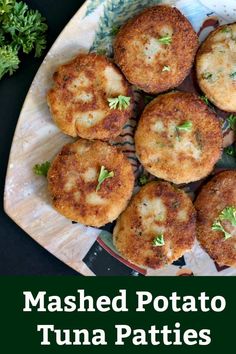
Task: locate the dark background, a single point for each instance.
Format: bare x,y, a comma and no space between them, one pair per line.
19,254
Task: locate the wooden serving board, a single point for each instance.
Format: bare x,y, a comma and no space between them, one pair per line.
37,139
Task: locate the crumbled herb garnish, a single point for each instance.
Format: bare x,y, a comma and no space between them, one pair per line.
231,151
143,180
233,75
166,68
103,175
167,39
232,121
228,214
120,102
42,169
158,241
207,75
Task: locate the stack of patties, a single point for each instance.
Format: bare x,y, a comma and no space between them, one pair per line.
178,139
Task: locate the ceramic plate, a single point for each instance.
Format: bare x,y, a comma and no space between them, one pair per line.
90,251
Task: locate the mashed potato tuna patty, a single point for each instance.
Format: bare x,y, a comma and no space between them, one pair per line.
216,67
157,227
156,49
73,182
178,138
79,99
214,198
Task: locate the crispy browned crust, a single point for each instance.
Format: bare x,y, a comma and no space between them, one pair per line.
73,178
216,195
82,76
223,92
194,154
135,230
179,55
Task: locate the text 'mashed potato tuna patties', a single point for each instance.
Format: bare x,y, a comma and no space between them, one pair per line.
157,227
90,182
90,98
216,218
216,67
178,138
156,49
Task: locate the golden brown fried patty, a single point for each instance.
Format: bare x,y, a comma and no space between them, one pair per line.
157,209
167,150
79,99
214,197
144,54
73,178
216,67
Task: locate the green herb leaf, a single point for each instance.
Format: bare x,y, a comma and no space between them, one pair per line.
6,6
42,169
121,101
186,126
231,151
167,39
9,61
232,121
166,68
217,226
21,29
143,180
229,214
205,99
158,241
233,75
103,175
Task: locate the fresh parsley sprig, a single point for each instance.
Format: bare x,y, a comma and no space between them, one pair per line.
120,102
42,169
9,61
217,226
186,126
103,175
158,241
228,214
22,29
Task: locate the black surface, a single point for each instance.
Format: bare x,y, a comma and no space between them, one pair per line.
19,254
